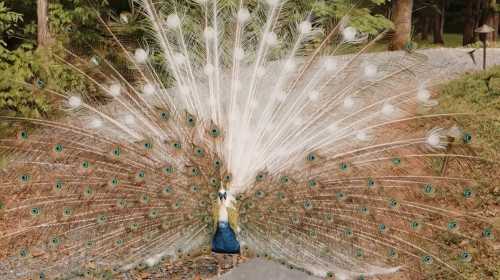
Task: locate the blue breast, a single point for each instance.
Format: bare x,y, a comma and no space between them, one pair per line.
224,240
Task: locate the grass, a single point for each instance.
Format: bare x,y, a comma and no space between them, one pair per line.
451,40
479,94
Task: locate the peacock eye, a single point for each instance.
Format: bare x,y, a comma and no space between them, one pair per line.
311,157
260,194
488,233
88,192
141,174
312,233
281,196
167,190
343,166
364,210
214,132
227,178
392,253
468,193
308,205
452,225
101,219
329,275
340,196
396,161
67,211
58,148
284,180
144,199
427,259
119,242
35,211
23,135
359,253
134,226
153,213
55,241
25,178
194,171
177,145
370,183
23,253
195,188
259,177
41,276
199,152
217,164
190,120
415,225
89,244
165,116
428,189
40,83
148,146
214,182
348,232
117,152
176,205
121,203
114,181
382,228
85,164
169,170
465,256
58,186
329,217
467,138
312,183
393,203
141,266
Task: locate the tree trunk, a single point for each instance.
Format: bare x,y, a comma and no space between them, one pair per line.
491,19
470,22
478,6
401,17
425,28
43,35
439,23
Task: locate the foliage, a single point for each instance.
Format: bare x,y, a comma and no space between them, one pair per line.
8,22
360,15
18,67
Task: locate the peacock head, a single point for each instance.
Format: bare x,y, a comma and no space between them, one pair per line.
222,194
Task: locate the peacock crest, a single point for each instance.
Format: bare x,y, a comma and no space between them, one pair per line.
263,140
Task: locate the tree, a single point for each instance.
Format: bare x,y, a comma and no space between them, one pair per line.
402,19
470,21
43,34
439,22
490,18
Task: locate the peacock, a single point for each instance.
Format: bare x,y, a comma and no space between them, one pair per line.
266,140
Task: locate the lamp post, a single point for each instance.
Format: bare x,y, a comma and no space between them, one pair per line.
483,31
